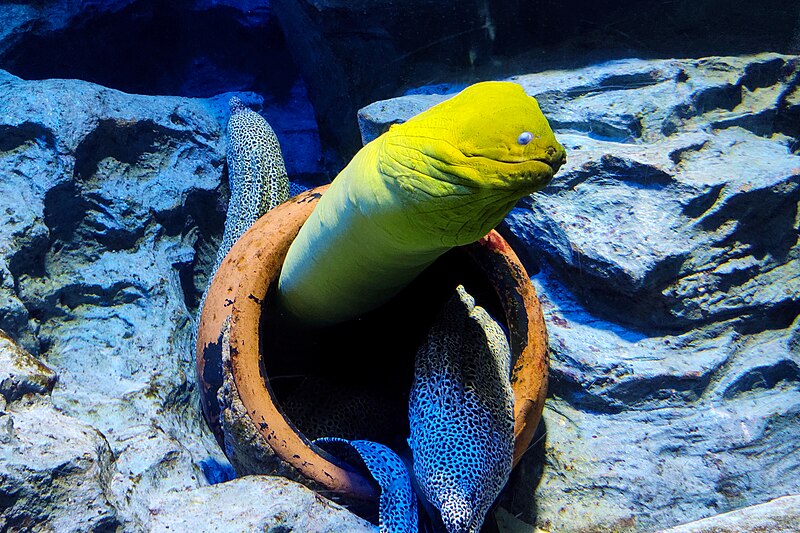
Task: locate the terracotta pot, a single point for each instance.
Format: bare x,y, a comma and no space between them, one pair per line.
237,297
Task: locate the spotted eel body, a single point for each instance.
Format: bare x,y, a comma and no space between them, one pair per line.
258,182
461,413
256,173
398,504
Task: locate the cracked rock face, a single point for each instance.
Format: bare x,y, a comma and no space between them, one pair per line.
110,214
56,478
666,256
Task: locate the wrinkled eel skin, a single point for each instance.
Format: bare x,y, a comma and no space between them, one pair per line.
442,179
257,176
461,413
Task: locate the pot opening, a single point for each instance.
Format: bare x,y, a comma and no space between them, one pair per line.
353,380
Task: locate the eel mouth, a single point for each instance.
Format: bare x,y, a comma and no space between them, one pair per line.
553,158
526,176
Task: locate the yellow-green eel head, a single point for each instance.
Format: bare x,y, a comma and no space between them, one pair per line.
444,178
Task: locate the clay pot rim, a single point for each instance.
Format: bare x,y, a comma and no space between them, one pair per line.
240,287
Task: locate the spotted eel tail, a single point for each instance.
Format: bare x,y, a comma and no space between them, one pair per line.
398,503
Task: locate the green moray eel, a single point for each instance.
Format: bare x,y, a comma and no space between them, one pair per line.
461,413
256,173
442,179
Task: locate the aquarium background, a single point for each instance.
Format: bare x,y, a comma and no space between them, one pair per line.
665,252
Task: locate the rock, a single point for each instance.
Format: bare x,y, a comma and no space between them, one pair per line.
253,503
165,47
54,471
341,67
665,254
112,209
167,50
101,190
149,465
351,54
646,204
781,515
21,373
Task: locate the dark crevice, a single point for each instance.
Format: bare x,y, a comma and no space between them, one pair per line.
125,141
787,120
629,172
753,321
562,386
766,74
64,210
725,97
764,377
762,124
30,259
633,81
121,292
203,210
768,211
704,201
12,137
661,390
163,48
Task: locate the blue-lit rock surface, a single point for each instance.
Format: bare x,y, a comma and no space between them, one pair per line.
111,206
666,256
196,48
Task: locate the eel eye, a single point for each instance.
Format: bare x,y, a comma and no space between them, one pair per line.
525,137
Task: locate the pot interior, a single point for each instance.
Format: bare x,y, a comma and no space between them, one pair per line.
353,380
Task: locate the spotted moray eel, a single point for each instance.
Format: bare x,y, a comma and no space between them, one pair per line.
256,172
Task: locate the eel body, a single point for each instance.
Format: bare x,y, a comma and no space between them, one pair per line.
398,503
442,179
461,414
258,182
256,173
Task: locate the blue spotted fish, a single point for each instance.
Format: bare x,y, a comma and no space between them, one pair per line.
462,425
461,413
398,503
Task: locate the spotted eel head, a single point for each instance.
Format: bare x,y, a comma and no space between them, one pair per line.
236,105
459,515
463,164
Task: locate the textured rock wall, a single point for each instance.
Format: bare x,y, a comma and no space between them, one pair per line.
666,255
110,212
